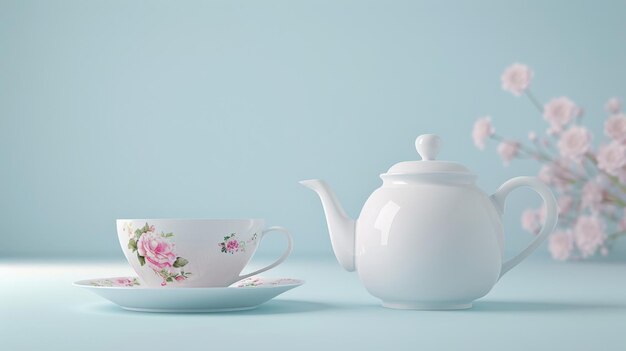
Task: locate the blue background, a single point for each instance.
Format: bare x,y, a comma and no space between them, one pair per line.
122,109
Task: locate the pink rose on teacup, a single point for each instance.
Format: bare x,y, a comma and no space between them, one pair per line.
157,250
232,245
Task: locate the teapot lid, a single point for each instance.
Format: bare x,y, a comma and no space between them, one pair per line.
428,146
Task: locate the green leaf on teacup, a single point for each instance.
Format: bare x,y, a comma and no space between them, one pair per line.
167,235
180,262
142,260
132,244
138,233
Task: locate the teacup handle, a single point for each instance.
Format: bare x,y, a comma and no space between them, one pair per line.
548,223
280,259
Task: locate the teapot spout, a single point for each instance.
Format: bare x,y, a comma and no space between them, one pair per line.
340,227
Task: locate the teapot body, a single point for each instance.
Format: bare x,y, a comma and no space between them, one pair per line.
428,244
429,238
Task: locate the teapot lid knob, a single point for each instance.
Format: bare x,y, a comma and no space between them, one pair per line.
427,146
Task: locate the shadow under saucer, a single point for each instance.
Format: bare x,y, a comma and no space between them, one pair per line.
277,306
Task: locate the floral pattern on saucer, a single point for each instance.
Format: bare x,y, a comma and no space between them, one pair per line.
231,244
260,281
143,298
116,282
157,251
133,282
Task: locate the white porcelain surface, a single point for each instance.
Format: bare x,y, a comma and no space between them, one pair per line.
428,238
130,294
176,253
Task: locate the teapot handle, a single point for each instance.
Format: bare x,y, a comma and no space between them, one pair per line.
498,199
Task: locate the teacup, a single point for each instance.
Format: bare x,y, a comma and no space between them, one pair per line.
193,252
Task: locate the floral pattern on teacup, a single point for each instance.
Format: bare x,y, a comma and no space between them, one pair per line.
157,251
116,282
231,244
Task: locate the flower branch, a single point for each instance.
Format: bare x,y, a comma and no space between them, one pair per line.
588,180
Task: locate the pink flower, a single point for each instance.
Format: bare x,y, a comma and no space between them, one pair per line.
530,221
615,127
561,245
232,245
541,212
589,235
508,150
614,105
516,78
157,251
548,174
124,282
482,131
612,158
556,174
180,278
565,204
533,218
592,196
559,112
574,143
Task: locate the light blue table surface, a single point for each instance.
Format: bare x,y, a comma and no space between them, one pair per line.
540,305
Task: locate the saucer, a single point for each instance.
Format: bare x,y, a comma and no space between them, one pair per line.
130,294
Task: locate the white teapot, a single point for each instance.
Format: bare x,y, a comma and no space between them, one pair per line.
428,238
